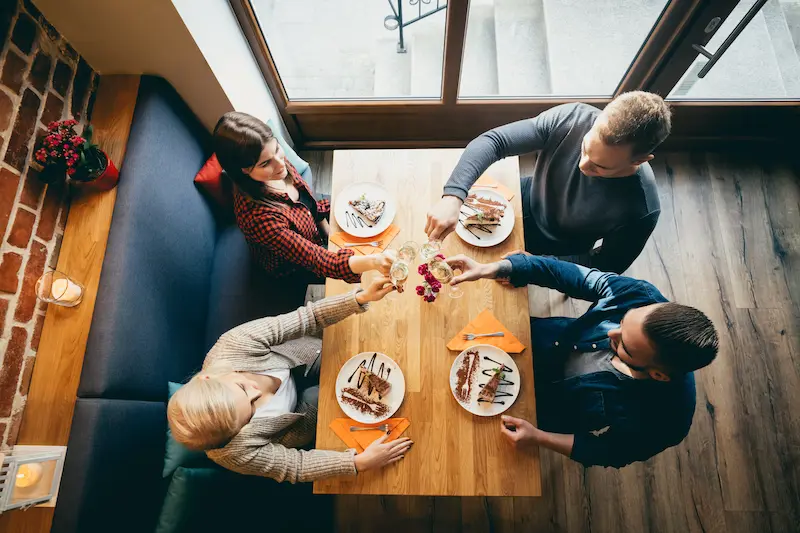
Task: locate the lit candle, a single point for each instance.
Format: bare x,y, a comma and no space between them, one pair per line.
28,474
65,290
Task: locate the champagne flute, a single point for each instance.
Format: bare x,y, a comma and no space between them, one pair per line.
444,273
429,250
398,274
408,252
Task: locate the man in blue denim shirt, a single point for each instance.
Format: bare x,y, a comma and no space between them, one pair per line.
615,385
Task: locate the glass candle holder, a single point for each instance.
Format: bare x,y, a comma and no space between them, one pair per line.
55,287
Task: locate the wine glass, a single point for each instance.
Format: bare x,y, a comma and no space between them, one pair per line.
398,274
429,250
444,273
408,252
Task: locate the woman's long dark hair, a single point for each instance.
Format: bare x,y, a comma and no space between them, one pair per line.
238,141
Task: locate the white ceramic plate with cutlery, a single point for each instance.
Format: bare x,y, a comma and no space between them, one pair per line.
466,391
355,224
489,235
363,403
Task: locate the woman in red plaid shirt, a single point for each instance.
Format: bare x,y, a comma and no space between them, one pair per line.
286,228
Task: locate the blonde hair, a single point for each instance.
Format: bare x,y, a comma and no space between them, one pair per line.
640,119
202,413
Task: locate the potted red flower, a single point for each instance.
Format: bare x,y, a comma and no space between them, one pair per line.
64,154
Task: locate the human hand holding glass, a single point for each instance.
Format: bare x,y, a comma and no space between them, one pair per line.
470,269
398,274
443,272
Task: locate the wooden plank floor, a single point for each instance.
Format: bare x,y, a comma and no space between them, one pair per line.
727,242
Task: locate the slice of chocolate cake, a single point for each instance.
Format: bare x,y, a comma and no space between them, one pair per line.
489,217
377,383
489,390
369,209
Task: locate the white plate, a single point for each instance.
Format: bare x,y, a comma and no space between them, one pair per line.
349,377
511,374
497,234
375,192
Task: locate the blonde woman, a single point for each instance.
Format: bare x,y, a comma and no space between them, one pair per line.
243,407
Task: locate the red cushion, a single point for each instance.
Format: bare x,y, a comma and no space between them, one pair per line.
217,187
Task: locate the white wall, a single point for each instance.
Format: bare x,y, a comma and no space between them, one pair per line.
196,45
216,31
140,37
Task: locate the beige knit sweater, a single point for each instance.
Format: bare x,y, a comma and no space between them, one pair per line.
268,446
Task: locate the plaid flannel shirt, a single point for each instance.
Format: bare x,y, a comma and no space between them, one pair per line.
286,239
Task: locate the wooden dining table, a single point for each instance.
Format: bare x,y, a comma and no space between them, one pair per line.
455,453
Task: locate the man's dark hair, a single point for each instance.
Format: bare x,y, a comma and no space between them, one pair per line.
684,337
640,119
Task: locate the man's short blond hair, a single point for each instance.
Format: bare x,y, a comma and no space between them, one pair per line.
638,118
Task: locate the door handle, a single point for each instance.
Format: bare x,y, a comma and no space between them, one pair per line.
713,58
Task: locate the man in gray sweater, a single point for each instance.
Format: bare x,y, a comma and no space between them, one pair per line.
591,182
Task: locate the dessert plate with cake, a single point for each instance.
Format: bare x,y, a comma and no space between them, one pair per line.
370,387
486,218
484,380
364,209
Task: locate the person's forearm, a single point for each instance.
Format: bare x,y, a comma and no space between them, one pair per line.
512,139
296,249
362,263
575,281
361,297
558,442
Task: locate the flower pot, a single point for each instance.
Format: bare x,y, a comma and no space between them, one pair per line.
106,180
53,174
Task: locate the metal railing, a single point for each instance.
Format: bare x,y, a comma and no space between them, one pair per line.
395,21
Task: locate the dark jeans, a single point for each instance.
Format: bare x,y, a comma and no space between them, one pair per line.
308,385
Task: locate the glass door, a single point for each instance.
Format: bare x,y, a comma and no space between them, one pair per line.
546,48
753,55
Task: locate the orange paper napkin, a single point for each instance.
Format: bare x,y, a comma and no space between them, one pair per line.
361,439
494,184
340,237
486,323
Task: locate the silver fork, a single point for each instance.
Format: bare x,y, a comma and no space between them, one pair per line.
374,244
473,336
382,427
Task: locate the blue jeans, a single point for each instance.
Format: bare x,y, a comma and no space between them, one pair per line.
308,385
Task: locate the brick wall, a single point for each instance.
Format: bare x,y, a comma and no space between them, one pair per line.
42,79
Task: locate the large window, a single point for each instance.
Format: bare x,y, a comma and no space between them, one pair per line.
438,72
530,48
341,49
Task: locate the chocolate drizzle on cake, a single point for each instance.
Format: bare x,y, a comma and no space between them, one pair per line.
481,214
355,220
364,376
490,373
